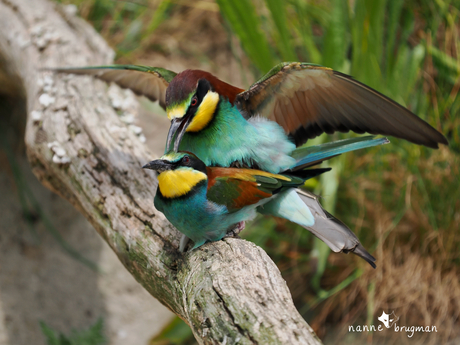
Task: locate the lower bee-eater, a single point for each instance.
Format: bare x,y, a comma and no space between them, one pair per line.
205,203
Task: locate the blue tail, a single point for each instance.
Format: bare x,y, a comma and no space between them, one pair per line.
312,155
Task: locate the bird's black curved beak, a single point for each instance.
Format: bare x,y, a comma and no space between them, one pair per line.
159,165
178,127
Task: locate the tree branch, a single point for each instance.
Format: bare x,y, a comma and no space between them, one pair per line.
229,291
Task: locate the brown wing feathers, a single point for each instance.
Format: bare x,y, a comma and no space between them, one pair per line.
308,100
347,105
390,118
234,188
141,80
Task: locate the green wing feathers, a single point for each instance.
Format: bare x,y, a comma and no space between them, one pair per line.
237,188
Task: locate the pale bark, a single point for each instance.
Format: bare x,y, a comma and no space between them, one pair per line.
228,291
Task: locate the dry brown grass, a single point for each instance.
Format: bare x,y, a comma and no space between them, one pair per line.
417,273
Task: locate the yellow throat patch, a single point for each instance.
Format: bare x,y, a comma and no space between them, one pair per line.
205,112
175,183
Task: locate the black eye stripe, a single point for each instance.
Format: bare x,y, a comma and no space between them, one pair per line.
202,88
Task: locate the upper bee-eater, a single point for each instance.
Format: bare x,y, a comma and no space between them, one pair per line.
205,203
261,127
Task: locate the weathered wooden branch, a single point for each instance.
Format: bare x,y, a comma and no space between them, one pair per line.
229,291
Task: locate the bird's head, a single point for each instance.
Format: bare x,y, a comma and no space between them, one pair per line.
192,100
178,173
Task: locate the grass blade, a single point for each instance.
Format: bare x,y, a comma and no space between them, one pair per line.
244,21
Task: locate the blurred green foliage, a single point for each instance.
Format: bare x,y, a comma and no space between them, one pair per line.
177,332
92,336
408,50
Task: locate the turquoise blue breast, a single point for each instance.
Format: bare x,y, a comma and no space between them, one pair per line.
199,219
231,138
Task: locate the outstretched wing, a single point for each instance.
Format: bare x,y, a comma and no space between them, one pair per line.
237,188
307,100
150,82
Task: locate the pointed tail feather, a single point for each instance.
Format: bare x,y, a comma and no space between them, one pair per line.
332,231
312,155
307,174
303,208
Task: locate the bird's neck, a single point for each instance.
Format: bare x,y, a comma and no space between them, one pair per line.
225,124
225,133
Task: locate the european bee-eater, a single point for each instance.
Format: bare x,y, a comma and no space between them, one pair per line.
205,203
260,128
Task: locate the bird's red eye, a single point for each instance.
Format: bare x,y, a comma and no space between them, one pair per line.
194,102
185,159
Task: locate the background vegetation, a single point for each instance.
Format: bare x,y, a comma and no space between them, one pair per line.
402,200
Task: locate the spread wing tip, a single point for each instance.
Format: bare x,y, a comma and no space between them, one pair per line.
431,140
442,140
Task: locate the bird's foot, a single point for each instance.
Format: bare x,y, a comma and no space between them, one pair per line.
236,230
